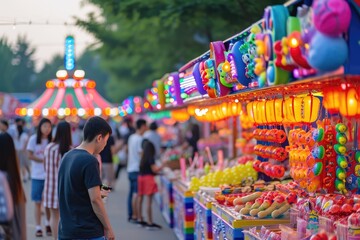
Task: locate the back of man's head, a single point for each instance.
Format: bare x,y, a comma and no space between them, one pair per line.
153,126
140,123
5,122
95,126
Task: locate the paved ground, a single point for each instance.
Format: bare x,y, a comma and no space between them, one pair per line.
116,208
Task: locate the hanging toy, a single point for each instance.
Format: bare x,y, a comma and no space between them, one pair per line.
328,49
341,128
342,163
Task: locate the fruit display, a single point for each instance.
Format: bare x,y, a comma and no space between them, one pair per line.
235,175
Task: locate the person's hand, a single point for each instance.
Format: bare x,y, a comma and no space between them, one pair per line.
104,193
109,234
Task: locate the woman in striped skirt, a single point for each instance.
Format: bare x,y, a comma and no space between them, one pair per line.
54,151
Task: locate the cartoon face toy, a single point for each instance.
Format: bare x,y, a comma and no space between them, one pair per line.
357,170
318,134
318,152
246,58
351,182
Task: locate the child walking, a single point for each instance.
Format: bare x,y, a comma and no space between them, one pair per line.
146,183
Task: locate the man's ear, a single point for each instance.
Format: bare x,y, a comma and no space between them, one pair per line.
98,138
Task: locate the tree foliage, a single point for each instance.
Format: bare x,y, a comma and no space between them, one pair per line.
6,68
142,40
17,66
24,65
47,72
90,62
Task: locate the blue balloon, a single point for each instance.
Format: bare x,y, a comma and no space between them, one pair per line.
327,53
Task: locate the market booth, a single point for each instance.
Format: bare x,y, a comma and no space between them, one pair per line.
285,93
280,106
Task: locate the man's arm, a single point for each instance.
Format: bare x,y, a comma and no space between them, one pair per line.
99,210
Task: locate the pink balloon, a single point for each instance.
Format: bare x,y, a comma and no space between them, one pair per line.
331,17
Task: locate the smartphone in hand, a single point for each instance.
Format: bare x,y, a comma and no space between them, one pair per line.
106,188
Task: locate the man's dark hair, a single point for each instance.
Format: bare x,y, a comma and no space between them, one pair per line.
18,119
5,122
153,126
140,123
95,126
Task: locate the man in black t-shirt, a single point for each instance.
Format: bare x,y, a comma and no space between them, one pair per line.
82,211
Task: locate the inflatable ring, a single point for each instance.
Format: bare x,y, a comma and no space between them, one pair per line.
198,80
293,24
239,64
217,50
275,21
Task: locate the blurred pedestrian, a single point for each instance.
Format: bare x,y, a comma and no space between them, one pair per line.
82,211
21,138
125,131
4,125
133,165
9,164
154,137
54,151
146,182
76,133
36,147
192,140
111,148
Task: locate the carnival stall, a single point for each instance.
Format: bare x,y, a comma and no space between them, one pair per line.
289,87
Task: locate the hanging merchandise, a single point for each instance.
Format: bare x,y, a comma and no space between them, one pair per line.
174,95
279,108
238,66
285,111
328,39
212,74
155,96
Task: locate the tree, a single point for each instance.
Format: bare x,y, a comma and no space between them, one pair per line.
24,65
90,62
6,68
142,40
47,72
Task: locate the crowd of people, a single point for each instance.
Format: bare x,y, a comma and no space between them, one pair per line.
70,177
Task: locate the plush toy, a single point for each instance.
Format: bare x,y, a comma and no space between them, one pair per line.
327,53
331,17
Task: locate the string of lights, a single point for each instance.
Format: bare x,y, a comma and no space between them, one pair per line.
35,23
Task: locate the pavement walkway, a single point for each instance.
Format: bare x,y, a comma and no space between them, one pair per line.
117,210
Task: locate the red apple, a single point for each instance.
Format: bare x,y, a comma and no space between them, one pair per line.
334,209
346,208
323,235
356,207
